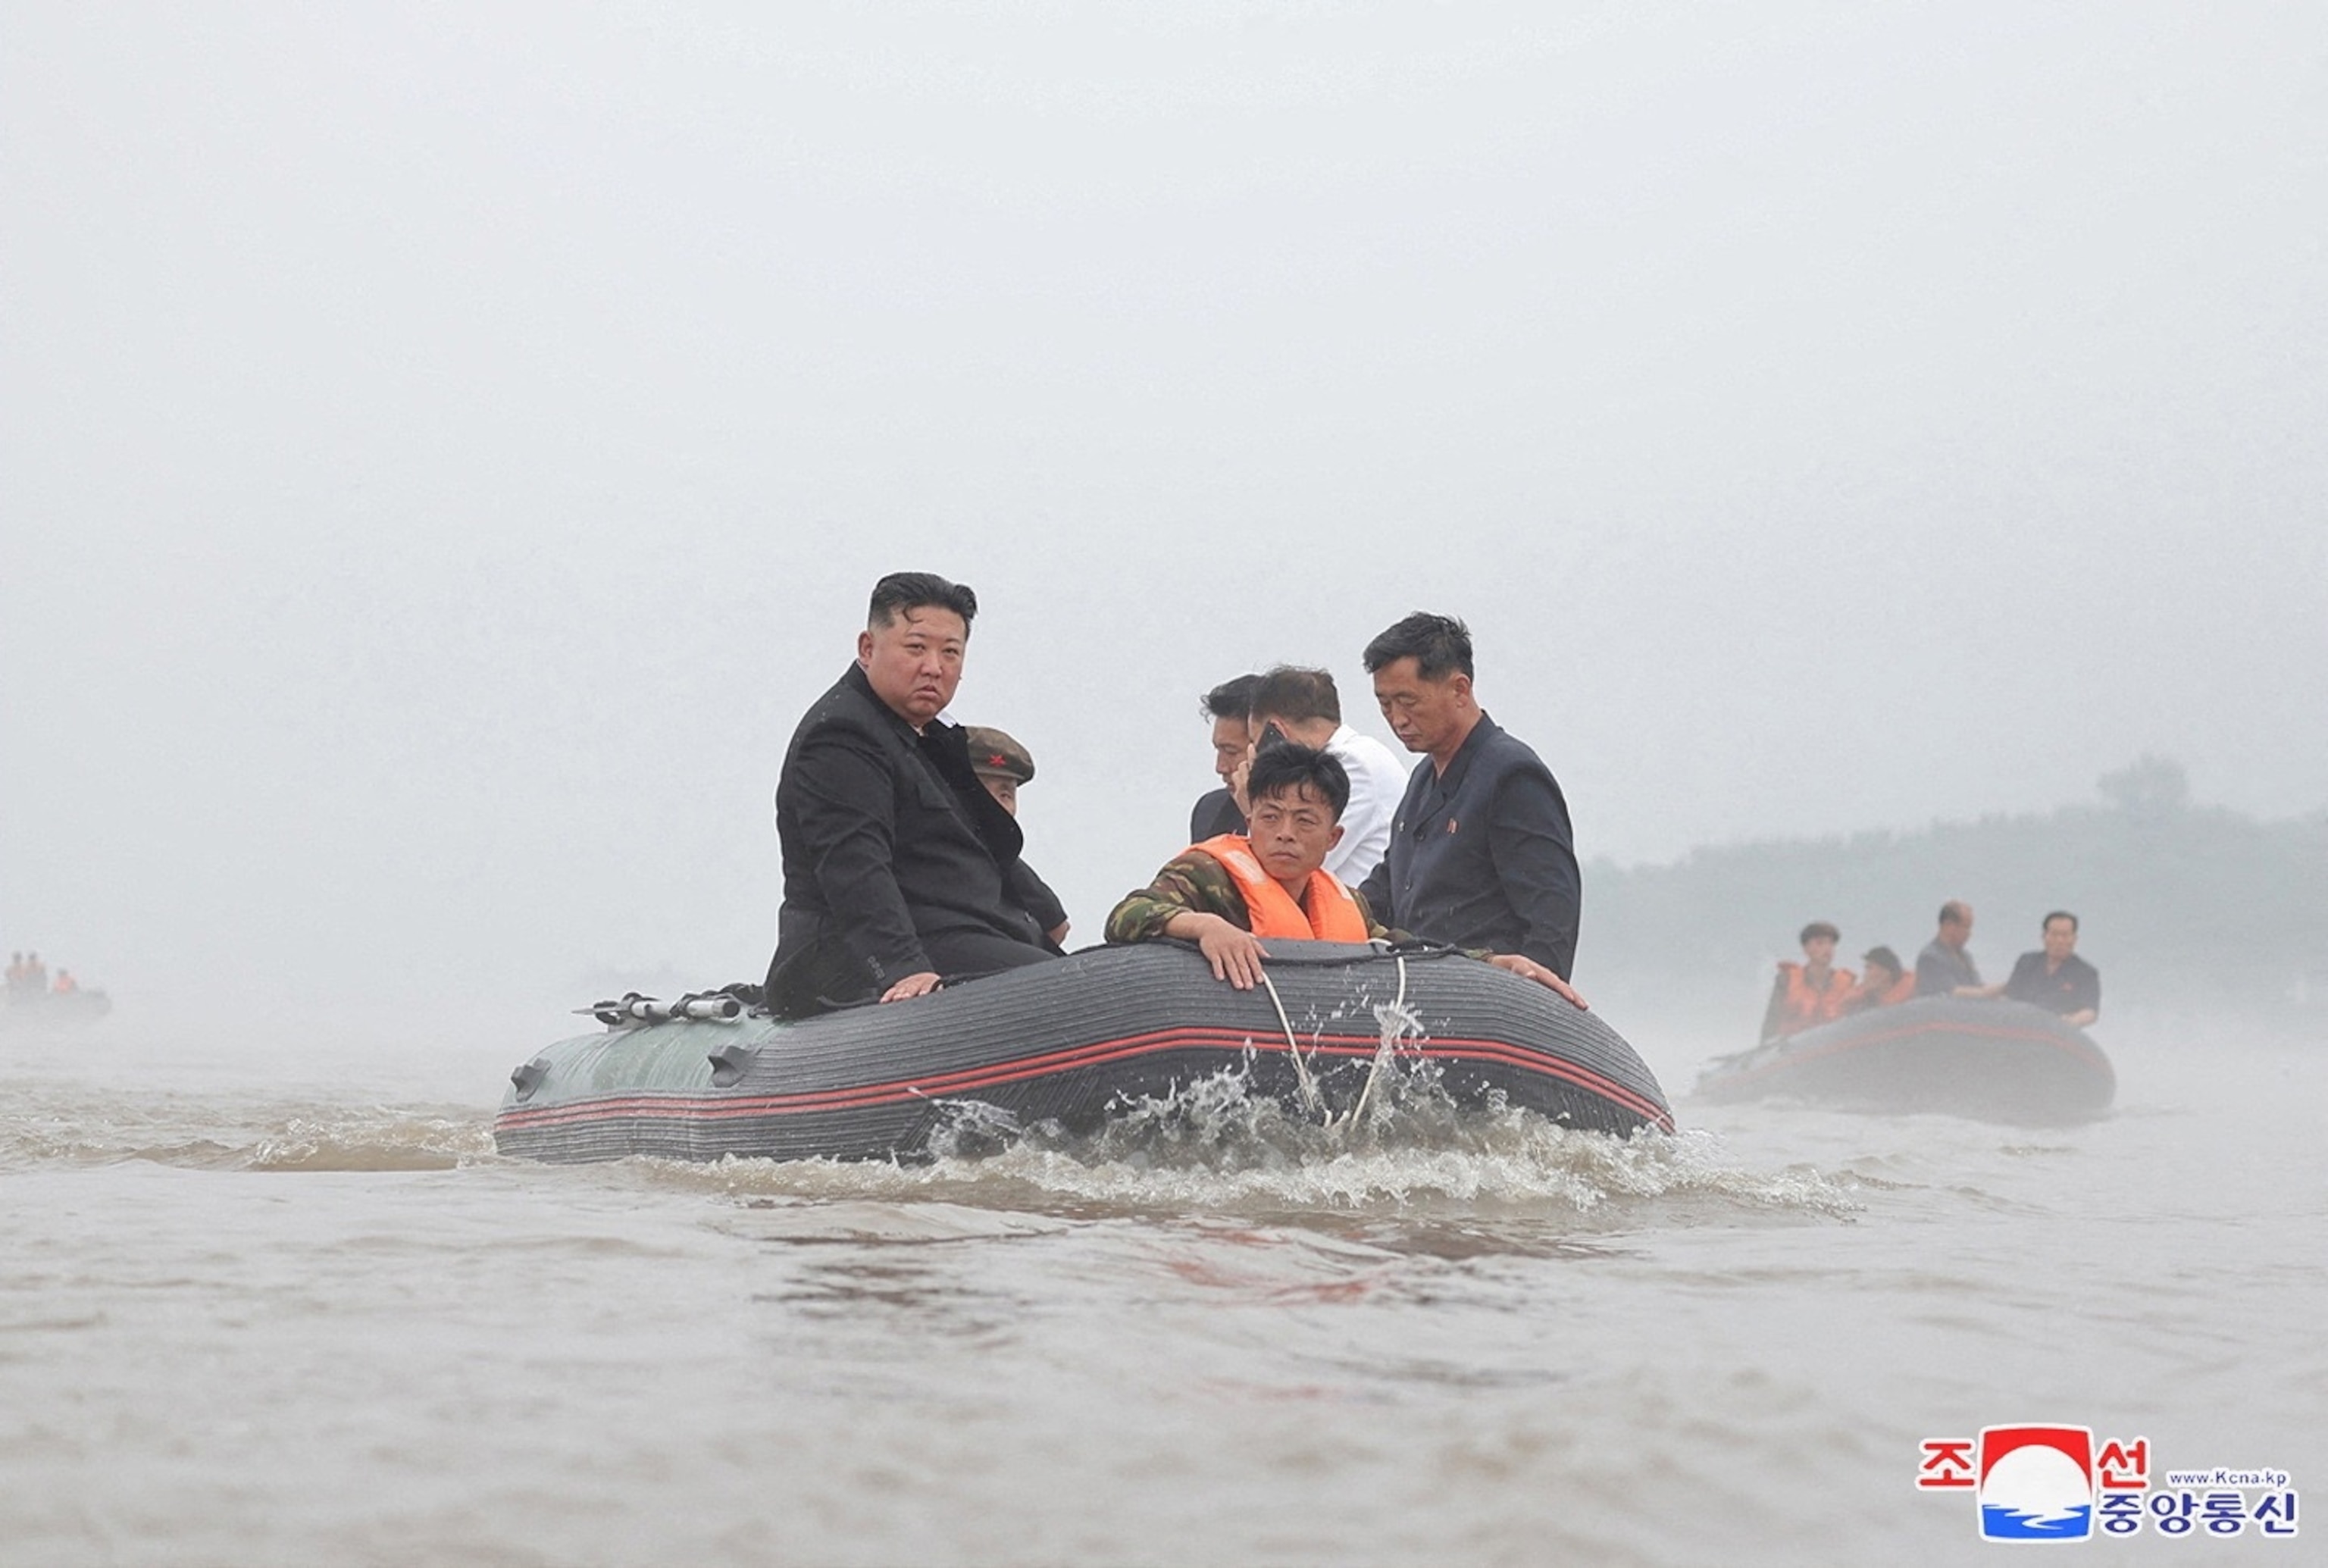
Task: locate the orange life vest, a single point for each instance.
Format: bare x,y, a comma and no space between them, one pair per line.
1807,1005
1331,913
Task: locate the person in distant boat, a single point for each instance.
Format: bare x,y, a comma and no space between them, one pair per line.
1944,968
66,985
1481,854
36,975
1228,706
1811,993
15,975
1002,764
898,866
1231,893
1305,708
1885,981
2055,977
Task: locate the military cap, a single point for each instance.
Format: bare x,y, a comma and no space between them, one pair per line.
993,751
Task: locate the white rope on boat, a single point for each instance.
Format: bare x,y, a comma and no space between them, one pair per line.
1393,1019
1309,1096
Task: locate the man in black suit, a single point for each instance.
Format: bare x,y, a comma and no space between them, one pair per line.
1217,811
1481,854
2055,977
898,865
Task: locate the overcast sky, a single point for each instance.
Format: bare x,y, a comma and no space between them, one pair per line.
447,447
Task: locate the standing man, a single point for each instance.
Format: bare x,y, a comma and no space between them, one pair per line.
1944,968
1227,704
2057,978
898,865
1480,855
1305,707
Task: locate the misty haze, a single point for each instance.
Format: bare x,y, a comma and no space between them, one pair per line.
1879,455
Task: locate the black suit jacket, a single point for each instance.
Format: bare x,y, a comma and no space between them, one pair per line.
1482,856
890,840
1216,812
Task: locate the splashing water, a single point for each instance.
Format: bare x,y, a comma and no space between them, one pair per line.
1215,1143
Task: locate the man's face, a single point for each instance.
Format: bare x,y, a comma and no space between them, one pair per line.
2061,939
1292,832
1956,933
1820,951
1003,788
915,663
1232,739
1423,714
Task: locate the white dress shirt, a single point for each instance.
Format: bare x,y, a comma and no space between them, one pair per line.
1377,783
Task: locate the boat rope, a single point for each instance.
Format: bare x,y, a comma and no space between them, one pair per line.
1309,1096
1393,1019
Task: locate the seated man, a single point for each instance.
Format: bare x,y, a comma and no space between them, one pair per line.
1811,993
898,866
1944,968
1228,893
2057,978
1226,705
1887,982
1305,707
1002,764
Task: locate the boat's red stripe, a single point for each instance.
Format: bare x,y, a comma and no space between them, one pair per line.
2079,1048
699,1105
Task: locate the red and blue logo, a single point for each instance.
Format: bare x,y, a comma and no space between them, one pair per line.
2036,1483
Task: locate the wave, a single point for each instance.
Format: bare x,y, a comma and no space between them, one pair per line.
1214,1146
214,1133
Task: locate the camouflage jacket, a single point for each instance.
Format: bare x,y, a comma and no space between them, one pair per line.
1197,884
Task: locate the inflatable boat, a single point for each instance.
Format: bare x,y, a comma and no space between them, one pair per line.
46,1010
1999,1061
1071,1043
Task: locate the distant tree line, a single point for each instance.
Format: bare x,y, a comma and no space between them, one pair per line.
2184,906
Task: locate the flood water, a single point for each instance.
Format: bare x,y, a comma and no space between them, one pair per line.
254,1313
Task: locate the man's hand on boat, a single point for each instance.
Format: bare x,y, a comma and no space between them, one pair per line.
913,985
1235,954
1529,969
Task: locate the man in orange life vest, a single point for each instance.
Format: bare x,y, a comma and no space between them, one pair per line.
1811,993
1229,893
1886,982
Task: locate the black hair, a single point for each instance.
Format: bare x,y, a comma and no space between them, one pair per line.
1820,928
900,592
2059,914
1440,646
1231,698
1291,691
1955,912
1290,766
1884,956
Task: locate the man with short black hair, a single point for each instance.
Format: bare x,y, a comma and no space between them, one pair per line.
1811,993
1227,894
1482,853
1227,704
2056,979
898,865
1305,707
